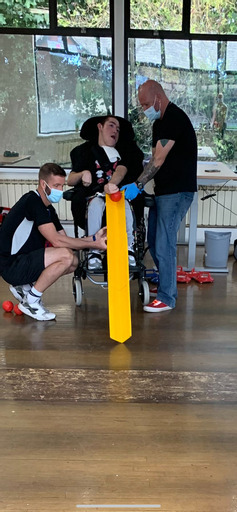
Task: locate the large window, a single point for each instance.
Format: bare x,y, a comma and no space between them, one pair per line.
61,63
49,85
55,72
193,74
74,81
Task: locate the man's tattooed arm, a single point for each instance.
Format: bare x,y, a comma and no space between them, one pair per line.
151,169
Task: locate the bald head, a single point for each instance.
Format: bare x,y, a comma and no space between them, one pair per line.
152,93
151,87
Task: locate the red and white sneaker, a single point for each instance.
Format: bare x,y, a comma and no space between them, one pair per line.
156,306
153,292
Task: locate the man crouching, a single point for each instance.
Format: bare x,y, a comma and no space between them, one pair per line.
25,262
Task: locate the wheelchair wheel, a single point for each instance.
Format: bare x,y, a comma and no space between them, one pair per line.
144,292
77,290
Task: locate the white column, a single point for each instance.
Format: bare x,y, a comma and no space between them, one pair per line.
119,57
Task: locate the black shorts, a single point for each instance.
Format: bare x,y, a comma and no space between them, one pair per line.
25,268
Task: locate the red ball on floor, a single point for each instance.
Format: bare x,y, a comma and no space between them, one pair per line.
7,305
17,310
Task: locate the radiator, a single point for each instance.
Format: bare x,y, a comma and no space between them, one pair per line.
63,149
12,190
219,211
210,213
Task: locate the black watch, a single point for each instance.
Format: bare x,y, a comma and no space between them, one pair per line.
140,185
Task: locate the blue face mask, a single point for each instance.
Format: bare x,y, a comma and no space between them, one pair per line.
152,114
55,194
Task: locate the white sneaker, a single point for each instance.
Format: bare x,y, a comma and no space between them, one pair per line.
94,262
18,292
131,259
36,310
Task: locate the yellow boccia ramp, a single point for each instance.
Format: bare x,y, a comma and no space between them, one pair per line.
120,326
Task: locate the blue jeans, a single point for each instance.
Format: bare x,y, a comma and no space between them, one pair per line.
163,224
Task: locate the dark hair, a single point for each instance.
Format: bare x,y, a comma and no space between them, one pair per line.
51,168
106,118
89,130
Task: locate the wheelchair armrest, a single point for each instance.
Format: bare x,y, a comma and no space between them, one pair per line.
68,194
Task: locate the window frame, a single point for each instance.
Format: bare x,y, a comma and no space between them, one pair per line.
122,34
183,34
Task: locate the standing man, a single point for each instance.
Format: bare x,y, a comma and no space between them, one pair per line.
174,168
26,263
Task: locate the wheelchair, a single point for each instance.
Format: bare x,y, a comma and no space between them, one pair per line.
127,148
99,276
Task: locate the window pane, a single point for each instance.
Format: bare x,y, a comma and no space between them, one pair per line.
156,14
231,59
90,14
149,52
204,55
32,14
74,81
192,76
214,17
177,53
45,99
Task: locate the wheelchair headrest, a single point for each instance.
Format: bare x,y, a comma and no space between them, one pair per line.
89,130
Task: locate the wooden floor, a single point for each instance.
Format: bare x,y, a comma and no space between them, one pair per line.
147,425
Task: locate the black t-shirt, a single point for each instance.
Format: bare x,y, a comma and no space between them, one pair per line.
19,232
178,173
93,158
89,156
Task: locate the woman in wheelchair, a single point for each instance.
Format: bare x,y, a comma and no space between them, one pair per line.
110,158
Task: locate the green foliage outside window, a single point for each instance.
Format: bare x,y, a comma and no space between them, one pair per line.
35,13
156,14
214,16
24,14
207,16
83,13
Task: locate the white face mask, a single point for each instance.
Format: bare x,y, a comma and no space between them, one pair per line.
152,114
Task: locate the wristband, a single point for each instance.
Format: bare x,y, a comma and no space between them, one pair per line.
93,238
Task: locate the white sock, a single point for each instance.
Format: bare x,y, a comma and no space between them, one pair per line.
33,295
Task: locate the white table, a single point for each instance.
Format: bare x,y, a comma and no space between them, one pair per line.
10,160
206,152
208,173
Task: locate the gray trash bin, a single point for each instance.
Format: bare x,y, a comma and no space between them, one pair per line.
217,248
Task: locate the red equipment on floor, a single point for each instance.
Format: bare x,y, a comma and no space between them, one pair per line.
186,276
3,213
